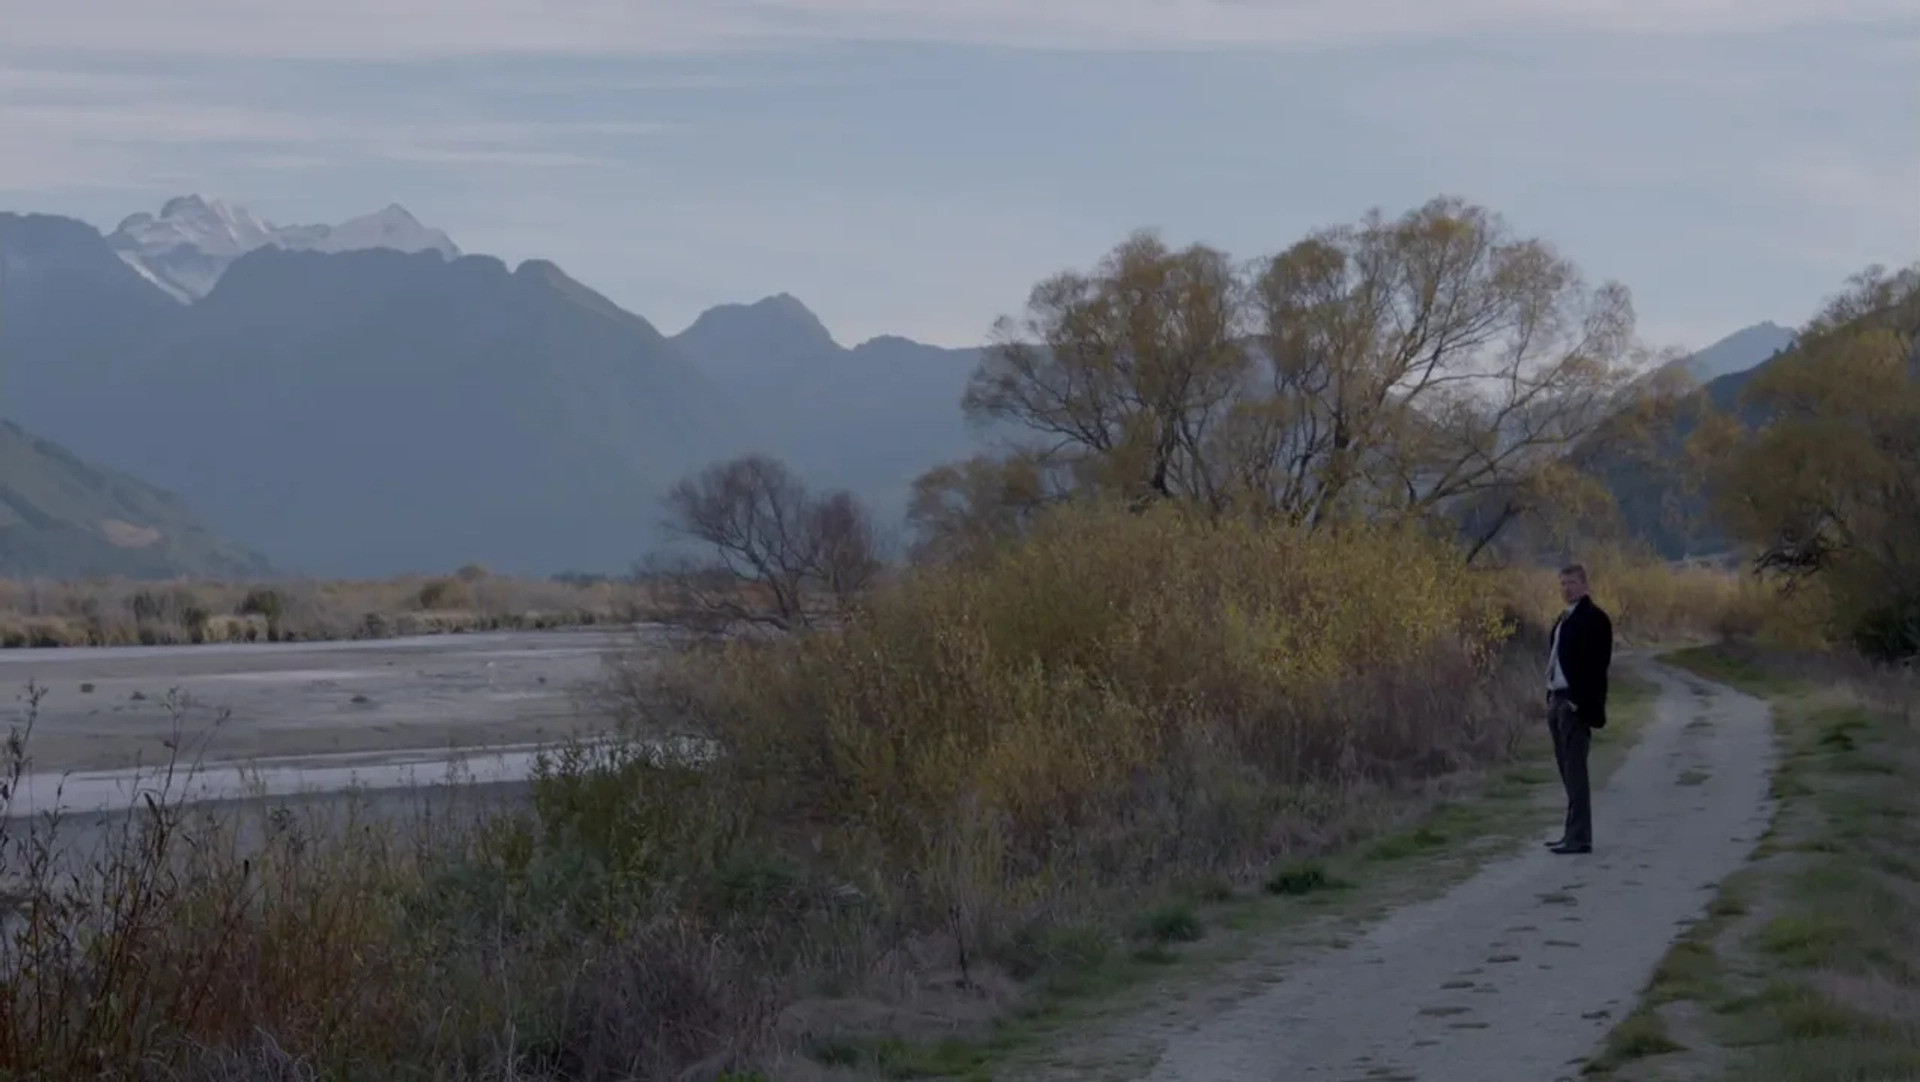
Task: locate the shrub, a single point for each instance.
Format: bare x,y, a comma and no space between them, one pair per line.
1888,630
263,601
449,593
1116,694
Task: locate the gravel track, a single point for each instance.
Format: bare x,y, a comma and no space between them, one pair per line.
1518,974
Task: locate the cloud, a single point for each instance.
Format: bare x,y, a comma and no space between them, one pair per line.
683,152
1848,207
381,29
81,129
1886,189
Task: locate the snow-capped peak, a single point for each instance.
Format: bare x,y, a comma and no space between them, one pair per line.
211,225
190,244
393,227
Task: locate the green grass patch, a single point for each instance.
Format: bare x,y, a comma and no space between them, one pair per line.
1727,905
1805,940
1527,776
1410,844
1304,877
1690,971
1643,1034
1812,1017
1735,668
1040,949
947,1059
1831,1061
1173,924
1787,1023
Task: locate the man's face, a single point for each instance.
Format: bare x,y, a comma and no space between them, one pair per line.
1572,588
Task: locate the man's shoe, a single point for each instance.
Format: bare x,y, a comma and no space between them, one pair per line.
1556,843
1566,850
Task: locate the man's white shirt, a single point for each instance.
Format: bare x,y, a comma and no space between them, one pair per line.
1557,680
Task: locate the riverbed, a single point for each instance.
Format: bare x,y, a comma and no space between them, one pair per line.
270,719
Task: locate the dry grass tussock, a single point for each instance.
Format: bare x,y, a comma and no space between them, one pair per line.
981,780
114,612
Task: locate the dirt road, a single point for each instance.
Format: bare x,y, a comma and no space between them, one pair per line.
1517,974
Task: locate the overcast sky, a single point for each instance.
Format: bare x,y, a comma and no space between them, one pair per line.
913,166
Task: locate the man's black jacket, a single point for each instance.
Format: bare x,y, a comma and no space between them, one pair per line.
1586,651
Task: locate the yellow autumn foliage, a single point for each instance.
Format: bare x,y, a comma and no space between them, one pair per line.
1107,676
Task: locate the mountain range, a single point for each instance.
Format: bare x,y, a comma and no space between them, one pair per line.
365,399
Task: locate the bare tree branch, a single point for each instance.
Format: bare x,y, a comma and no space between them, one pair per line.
781,557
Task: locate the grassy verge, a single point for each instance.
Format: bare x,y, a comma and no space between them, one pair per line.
1807,967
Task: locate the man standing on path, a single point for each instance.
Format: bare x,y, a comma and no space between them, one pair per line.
1577,660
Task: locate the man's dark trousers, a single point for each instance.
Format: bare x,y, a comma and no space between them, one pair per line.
1571,741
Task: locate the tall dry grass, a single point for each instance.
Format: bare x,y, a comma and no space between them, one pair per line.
1656,602
118,612
420,938
985,773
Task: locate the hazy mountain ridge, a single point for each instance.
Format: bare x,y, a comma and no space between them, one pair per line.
374,411
1738,352
61,517
368,411
870,419
1656,504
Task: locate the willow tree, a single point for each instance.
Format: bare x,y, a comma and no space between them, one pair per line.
1824,479
1392,368
1122,375
965,507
